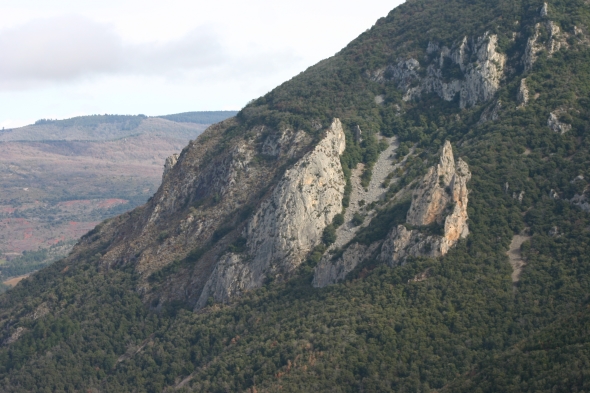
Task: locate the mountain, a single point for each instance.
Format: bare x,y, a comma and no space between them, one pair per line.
408,215
62,177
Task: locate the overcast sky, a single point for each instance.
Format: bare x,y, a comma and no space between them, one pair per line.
64,58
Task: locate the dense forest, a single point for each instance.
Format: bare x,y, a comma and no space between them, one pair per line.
457,323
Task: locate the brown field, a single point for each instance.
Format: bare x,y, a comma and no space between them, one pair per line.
57,190
15,280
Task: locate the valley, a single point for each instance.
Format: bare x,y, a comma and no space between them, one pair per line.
59,179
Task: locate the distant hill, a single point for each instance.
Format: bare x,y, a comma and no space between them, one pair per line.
110,127
94,121
200,117
59,178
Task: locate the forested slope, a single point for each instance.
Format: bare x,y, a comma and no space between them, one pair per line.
110,319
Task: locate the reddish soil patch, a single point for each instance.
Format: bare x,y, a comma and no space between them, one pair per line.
75,203
15,280
18,235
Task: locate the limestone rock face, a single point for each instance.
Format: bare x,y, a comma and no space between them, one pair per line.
282,143
532,50
169,164
230,278
556,125
482,78
556,41
289,224
544,10
402,243
431,197
440,199
479,62
522,96
327,272
491,113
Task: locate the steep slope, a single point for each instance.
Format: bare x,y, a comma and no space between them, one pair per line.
233,232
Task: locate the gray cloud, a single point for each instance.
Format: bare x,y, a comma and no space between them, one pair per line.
57,49
71,47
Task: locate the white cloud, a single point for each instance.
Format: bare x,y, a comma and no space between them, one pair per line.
57,49
72,47
64,57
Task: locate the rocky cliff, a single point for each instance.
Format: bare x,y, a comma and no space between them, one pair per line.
471,68
288,225
439,201
436,220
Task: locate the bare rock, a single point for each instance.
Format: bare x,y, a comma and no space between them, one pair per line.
358,133
330,272
581,201
532,50
402,243
556,41
519,196
169,164
289,224
480,63
431,198
441,199
545,10
482,77
491,113
522,96
16,335
556,125
230,278
282,143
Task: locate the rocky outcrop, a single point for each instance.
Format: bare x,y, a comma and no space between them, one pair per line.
231,277
532,49
581,201
491,113
442,184
330,272
402,243
440,201
169,164
288,225
15,336
545,10
522,96
556,41
480,65
282,143
482,77
556,125
332,269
